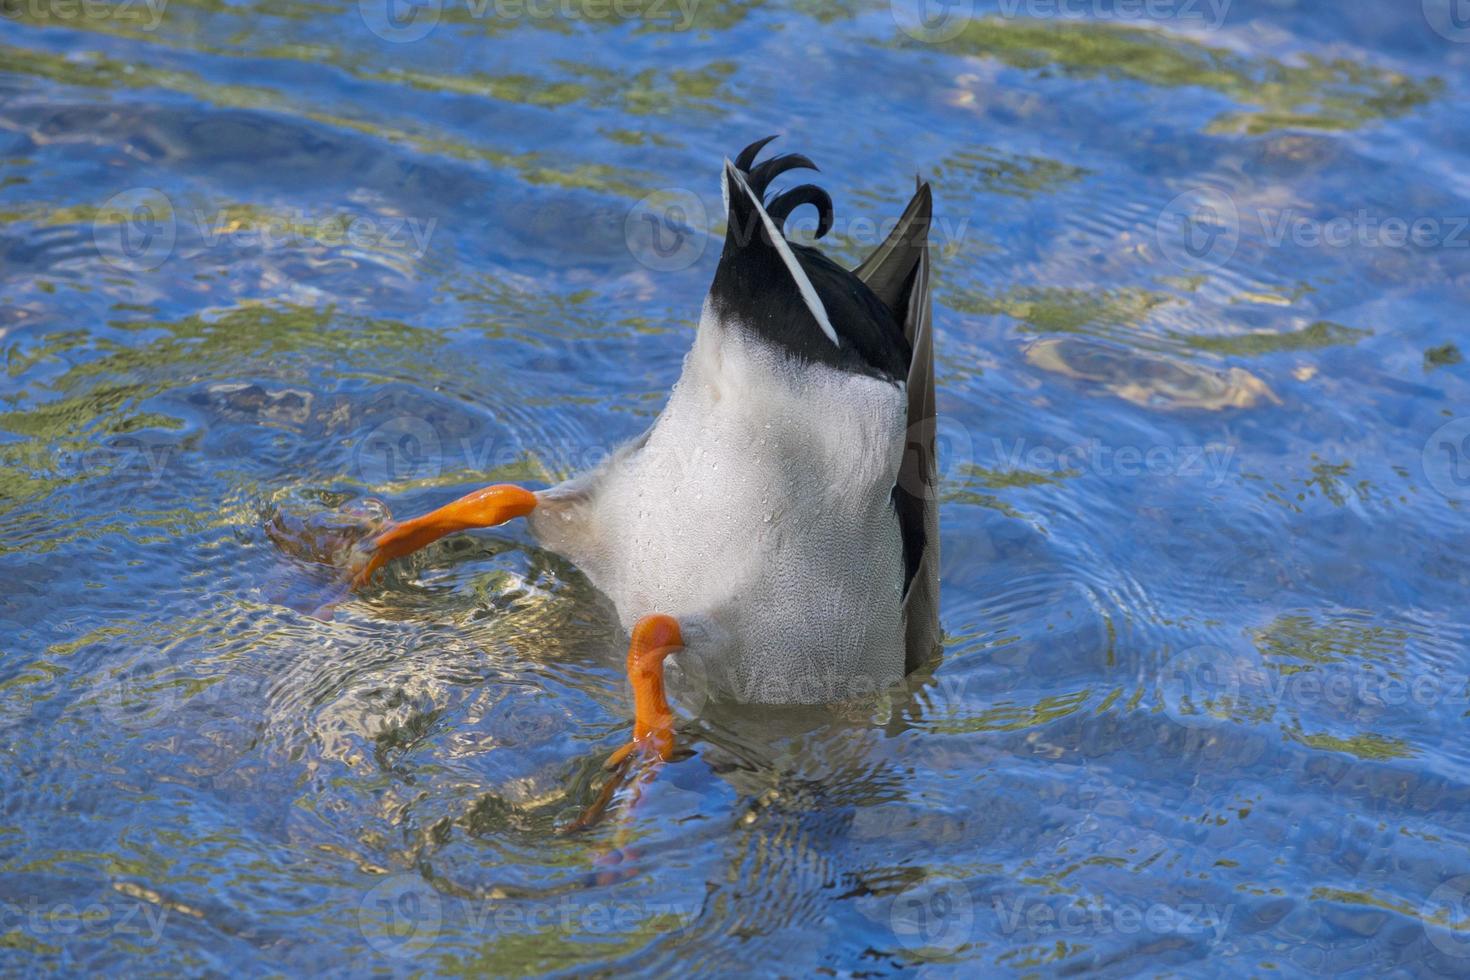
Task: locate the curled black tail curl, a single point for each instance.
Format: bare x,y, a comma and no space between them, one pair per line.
780,207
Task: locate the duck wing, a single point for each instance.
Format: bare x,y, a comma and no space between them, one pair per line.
898,274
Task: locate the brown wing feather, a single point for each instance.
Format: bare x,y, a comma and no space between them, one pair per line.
898,273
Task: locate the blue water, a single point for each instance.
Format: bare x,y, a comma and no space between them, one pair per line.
1200,282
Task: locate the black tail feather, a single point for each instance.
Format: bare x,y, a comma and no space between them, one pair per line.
781,206
747,156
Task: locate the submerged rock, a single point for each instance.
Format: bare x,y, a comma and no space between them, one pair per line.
1147,379
323,528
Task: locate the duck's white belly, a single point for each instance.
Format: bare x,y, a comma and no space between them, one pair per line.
758,513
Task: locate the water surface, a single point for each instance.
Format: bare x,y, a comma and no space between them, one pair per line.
1200,289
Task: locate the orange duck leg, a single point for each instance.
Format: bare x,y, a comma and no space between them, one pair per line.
486,507
654,638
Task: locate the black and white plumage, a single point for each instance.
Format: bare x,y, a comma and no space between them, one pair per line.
782,507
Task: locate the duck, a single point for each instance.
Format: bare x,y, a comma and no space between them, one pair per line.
778,520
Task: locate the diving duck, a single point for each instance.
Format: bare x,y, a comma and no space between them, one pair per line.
778,520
